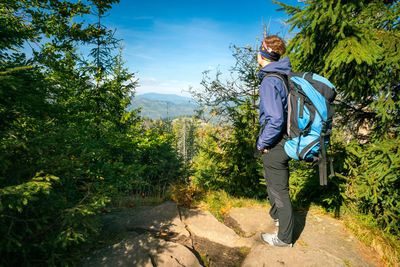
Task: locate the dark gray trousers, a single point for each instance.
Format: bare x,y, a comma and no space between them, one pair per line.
276,174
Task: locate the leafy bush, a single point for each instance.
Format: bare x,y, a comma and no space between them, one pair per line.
226,157
64,122
44,219
160,163
374,170
207,161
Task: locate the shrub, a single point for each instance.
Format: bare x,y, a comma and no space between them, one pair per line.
375,181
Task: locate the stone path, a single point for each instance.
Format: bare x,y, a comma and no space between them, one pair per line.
168,235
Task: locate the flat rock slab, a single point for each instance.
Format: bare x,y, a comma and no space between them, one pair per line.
253,220
316,232
204,224
142,250
330,235
265,255
164,218
161,236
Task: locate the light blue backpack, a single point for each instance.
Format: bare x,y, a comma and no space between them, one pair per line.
310,115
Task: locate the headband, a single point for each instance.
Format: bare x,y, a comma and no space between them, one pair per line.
267,53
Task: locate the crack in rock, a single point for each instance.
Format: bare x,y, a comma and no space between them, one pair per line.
156,236
191,235
153,261
235,226
178,261
211,253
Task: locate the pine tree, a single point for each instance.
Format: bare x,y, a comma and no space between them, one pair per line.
47,191
233,102
356,45
185,131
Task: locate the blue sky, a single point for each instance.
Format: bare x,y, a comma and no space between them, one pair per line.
168,44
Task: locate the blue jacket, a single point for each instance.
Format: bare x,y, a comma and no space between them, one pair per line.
273,103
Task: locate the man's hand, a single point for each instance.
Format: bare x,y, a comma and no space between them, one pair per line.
264,150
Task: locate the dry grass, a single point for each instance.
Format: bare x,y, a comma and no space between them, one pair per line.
387,246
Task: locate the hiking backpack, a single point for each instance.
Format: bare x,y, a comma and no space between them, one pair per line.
310,114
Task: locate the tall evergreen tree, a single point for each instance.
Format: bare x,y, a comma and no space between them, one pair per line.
356,45
48,187
234,102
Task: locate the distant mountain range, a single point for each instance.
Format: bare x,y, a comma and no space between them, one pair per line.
177,99
160,106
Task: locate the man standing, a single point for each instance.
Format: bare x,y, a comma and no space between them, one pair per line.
273,117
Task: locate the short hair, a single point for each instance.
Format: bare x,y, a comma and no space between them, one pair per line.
276,44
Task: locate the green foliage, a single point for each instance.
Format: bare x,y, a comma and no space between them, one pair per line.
16,197
367,229
161,164
207,161
374,169
356,45
220,97
242,170
63,121
185,130
218,203
162,109
226,157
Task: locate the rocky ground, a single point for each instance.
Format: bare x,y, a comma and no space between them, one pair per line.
168,235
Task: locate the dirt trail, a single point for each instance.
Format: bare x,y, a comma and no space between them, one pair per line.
167,235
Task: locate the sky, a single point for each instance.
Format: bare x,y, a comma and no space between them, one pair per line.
168,44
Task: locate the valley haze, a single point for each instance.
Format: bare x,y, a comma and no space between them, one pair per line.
161,106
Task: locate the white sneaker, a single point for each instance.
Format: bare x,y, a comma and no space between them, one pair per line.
273,240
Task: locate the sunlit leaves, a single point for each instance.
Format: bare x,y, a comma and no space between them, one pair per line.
356,45
18,196
47,126
375,169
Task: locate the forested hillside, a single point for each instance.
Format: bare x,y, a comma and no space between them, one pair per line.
162,106
70,143
176,99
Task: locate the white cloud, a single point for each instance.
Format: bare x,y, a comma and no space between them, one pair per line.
176,53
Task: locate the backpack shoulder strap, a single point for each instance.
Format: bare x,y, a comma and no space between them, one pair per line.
280,76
